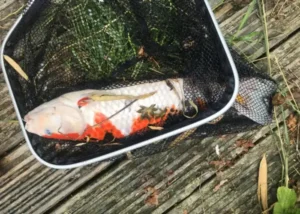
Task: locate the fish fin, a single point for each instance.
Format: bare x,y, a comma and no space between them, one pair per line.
83,102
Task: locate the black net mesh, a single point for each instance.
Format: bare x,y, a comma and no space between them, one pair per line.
66,46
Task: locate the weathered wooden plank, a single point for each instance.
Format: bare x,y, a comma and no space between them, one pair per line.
10,132
6,8
292,49
32,188
13,158
152,174
241,182
189,175
10,136
279,28
187,168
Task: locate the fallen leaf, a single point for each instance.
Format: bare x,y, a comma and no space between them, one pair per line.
80,144
182,137
141,52
185,212
220,185
222,163
202,104
241,100
158,128
278,99
16,66
245,144
152,199
262,189
292,122
215,121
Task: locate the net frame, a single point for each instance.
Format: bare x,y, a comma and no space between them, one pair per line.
227,62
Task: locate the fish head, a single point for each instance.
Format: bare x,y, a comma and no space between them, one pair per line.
55,121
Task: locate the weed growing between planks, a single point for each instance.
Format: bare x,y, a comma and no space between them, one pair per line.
287,135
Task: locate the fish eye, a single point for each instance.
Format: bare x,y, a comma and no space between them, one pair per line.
48,132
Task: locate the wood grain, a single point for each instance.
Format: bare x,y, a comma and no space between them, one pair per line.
184,176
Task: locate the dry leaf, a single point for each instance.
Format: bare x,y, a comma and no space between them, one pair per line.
16,66
202,104
220,185
152,199
292,122
278,99
158,128
80,144
141,52
222,163
239,99
182,137
215,121
245,144
262,190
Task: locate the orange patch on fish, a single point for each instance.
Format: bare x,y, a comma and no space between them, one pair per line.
140,124
98,131
101,128
60,136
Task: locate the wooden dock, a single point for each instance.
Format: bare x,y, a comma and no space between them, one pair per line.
184,180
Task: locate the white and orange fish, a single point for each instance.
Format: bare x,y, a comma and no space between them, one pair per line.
91,114
120,112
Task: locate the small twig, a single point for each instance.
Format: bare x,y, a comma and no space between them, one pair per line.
296,170
256,60
282,6
297,142
286,82
13,13
262,12
9,121
267,210
122,109
282,154
218,5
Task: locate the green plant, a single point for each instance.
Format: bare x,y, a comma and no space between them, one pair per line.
248,37
286,201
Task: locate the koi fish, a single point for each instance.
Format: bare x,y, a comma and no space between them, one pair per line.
120,112
92,114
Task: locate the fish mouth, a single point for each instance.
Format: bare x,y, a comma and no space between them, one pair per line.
27,125
26,118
